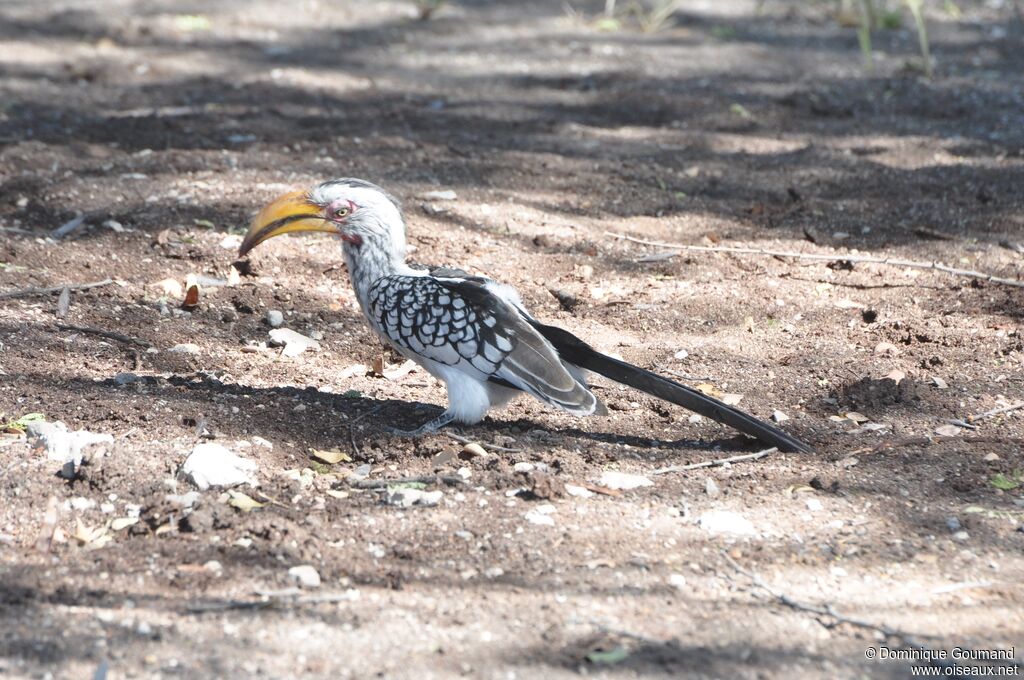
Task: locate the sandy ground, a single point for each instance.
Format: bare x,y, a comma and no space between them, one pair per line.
166,125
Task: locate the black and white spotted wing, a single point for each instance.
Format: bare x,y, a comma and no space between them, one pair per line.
460,322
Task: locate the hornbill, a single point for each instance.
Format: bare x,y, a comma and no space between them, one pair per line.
470,332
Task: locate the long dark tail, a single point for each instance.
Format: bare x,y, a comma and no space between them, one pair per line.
575,351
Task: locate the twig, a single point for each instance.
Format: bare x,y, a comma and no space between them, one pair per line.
450,480
29,292
492,447
959,423
995,412
870,259
68,227
268,600
120,337
907,639
821,610
714,463
684,376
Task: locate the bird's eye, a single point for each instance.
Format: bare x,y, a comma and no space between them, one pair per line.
341,211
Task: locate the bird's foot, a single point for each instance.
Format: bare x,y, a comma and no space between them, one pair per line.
428,427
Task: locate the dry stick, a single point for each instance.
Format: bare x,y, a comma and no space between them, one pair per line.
826,610
995,412
29,292
266,602
127,339
493,447
870,259
714,463
450,480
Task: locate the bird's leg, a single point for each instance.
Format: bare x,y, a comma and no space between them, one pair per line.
429,427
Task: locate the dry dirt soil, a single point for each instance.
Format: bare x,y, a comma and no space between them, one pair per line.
166,125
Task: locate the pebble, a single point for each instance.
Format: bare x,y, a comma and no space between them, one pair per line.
275,318
446,195
677,581
961,536
623,481
407,498
523,467
711,488
953,524
126,378
185,348
579,491
294,343
541,515
211,464
81,503
726,522
305,575
814,505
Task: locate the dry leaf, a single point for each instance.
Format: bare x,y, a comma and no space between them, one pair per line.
334,493
708,389
119,523
91,538
939,382
377,368
191,293
331,456
947,430
857,417
243,502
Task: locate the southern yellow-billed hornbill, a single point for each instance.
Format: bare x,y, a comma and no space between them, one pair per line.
468,331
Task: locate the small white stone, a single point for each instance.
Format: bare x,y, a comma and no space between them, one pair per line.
579,491
711,488
407,498
541,515
275,318
726,522
624,481
814,505
185,348
523,467
81,503
211,464
305,575
294,343
445,195
677,581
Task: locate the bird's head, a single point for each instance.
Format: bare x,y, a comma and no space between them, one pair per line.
361,213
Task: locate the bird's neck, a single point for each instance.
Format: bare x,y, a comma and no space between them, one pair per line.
368,262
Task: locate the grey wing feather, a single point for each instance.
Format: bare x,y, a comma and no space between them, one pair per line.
459,321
